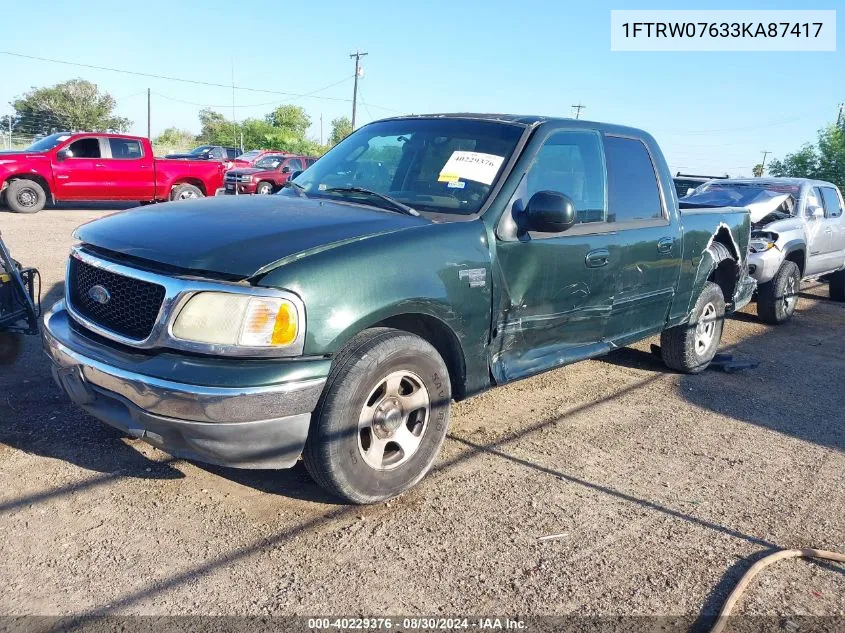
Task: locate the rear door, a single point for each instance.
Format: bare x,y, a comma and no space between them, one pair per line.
80,176
834,227
648,238
557,287
128,170
819,244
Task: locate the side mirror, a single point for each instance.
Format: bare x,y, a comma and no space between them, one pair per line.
63,154
286,169
295,174
817,213
550,212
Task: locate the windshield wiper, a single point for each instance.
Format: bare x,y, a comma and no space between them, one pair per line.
393,202
299,189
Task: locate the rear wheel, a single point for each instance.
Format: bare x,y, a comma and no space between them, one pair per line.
382,417
264,188
25,196
186,192
690,347
837,286
777,298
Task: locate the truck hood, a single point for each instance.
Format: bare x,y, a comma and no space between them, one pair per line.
238,236
10,158
246,171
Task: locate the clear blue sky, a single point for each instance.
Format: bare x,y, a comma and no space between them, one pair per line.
711,112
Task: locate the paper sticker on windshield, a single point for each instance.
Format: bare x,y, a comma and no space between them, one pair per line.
475,166
456,184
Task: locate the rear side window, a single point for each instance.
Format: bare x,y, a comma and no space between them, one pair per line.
632,191
125,148
832,204
310,161
232,153
85,148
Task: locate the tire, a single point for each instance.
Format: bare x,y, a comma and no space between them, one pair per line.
690,347
186,192
350,451
837,286
264,188
25,196
777,298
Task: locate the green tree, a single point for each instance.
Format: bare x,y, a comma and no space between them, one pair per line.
174,137
216,129
75,105
290,118
758,170
824,161
341,128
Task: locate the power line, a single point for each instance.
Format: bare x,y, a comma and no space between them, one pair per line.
196,82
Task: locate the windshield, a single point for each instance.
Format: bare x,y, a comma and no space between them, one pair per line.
439,165
269,162
202,149
48,142
249,156
736,194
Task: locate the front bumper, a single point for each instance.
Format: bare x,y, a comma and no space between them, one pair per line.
254,426
764,266
243,188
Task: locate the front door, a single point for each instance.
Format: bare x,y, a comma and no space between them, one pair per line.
78,176
556,289
833,229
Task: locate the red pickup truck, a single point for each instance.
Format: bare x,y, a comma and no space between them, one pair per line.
267,175
95,166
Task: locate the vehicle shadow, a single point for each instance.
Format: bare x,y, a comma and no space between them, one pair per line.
782,378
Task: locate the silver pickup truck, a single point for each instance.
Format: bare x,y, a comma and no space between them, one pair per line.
797,233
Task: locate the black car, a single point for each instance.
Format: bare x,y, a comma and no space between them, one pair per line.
210,152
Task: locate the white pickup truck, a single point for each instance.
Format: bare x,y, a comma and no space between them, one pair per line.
797,233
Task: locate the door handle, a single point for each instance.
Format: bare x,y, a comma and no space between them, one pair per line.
664,244
99,165
597,258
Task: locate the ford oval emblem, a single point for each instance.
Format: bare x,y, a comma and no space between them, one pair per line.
98,294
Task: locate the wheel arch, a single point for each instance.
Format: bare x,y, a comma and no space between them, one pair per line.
196,182
35,177
796,251
432,329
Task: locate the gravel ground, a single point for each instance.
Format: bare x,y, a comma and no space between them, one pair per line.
664,489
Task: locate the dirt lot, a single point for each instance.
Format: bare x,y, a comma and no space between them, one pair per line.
665,488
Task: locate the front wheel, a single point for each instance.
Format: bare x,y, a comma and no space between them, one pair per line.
690,347
25,196
776,299
186,192
264,188
382,417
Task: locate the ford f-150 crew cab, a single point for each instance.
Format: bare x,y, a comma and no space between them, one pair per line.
422,259
98,166
797,232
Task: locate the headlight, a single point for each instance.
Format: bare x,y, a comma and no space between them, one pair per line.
222,318
760,246
246,178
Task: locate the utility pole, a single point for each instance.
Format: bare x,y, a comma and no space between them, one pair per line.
578,109
763,164
321,128
840,119
148,114
10,131
234,118
357,55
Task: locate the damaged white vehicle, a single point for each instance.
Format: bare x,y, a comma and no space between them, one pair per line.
797,233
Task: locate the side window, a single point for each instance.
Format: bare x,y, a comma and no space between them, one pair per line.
832,203
309,162
571,163
632,191
232,153
85,148
294,164
216,152
122,148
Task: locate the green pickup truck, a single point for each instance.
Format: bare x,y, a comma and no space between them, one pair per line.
422,260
